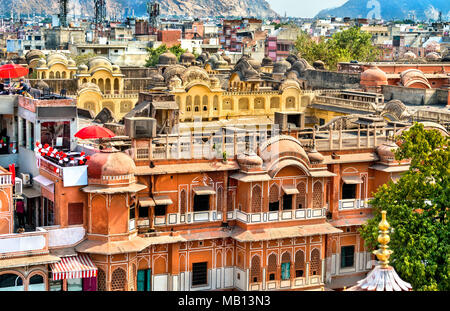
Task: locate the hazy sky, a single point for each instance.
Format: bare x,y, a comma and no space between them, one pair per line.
302,8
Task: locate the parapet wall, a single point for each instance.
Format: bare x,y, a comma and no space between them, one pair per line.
414,96
319,79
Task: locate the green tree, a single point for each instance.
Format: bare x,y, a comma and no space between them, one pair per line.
154,53
344,46
418,209
82,58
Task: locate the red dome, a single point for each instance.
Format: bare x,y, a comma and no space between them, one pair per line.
374,76
107,163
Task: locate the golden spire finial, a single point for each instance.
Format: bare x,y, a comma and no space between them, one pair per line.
383,253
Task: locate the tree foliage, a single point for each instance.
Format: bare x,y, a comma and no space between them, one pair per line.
417,209
344,46
82,58
154,53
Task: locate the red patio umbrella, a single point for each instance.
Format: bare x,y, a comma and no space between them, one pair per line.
11,71
93,132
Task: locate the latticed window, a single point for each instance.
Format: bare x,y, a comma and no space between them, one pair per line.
301,196
286,257
272,266
142,153
255,275
183,202
315,263
256,199
317,195
299,264
219,199
101,280
274,194
118,280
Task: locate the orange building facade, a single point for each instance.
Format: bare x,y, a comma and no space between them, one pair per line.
277,216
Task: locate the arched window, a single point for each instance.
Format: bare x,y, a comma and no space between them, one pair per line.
183,202
71,75
118,280
58,75
256,199
64,75
317,195
101,280
43,75
205,103
230,201
301,196
274,198
197,100
36,283
299,264
11,282
286,266
216,102
272,267
116,85
227,104
316,266
108,86
196,108
84,80
274,102
51,75
101,85
255,272
219,199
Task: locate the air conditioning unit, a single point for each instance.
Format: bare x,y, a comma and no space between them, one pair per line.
18,186
140,127
26,179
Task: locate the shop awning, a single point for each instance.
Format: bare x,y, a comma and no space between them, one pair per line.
31,192
162,200
74,267
289,189
351,180
43,180
146,202
204,190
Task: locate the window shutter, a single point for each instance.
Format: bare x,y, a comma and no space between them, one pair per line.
149,279
141,280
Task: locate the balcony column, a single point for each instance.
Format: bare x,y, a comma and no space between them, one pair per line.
19,128
28,134
307,273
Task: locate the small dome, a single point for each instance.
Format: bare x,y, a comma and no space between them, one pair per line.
115,67
99,62
187,58
249,159
167,58
410,55
267,61
106,163
227,59
33,54
281,66
315,156
318,64
255,64
282,145
373,76
41,63
386,151
89,86
83,68
157,77
414,78
71,63
433,56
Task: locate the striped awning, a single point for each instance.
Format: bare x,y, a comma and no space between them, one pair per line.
74,267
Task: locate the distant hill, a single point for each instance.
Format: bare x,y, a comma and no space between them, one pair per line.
390,9
195,8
